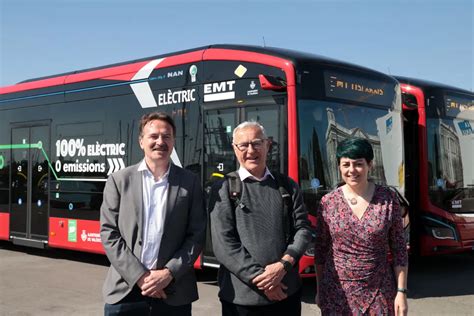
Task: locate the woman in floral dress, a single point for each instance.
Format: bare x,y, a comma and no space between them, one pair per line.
359,223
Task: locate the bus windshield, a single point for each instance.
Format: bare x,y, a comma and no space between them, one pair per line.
322,124
450,155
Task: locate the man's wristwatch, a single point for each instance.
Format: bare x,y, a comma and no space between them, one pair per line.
286,265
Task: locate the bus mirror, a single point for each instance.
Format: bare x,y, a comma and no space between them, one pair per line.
271,83
409,101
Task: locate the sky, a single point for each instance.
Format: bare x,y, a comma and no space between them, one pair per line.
424,39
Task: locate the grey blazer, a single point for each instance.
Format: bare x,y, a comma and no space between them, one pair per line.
121,216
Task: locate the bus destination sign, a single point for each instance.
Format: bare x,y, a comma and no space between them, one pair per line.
456,104
358,89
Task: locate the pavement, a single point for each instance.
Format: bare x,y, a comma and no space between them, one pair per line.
60,282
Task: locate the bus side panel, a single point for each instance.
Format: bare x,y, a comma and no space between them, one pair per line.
93,124
93,120
4,226
431,246
466,230
75,234
4,175
465,226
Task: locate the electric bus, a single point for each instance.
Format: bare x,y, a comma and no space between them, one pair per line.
439,148
61,136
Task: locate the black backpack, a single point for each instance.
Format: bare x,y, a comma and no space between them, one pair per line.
284,187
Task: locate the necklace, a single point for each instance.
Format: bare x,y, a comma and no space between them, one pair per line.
353,201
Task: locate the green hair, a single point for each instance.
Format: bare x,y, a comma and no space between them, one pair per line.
355,148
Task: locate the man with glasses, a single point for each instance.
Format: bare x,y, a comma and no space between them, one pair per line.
256,238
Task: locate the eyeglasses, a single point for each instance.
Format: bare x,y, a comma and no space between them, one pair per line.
257,144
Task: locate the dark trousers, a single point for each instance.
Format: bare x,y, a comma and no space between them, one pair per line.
136,304
291,306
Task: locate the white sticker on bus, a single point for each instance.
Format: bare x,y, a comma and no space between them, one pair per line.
90,237
219,96
142,90
216,91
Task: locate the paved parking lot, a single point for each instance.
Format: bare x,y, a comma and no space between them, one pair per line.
57,282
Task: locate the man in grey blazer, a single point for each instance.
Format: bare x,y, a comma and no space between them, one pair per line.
153,224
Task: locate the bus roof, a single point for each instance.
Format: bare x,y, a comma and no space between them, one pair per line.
425,84
298,58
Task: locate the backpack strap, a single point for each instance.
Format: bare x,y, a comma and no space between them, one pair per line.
235,188
284,187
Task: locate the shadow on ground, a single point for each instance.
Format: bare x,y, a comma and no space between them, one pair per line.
207,276
441,276
54,253
309,290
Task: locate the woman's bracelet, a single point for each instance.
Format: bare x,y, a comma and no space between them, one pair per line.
402,290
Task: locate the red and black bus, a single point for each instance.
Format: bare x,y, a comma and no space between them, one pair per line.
439,147
61,136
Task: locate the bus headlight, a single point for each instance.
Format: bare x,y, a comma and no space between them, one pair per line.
442,233
439,228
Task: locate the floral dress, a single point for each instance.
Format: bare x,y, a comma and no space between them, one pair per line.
358,278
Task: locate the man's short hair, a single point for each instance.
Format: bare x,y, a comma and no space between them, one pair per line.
247,124
161,116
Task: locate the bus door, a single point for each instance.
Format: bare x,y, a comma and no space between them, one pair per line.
219,157
29,187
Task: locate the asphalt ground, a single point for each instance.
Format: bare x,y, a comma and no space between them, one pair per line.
60,282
